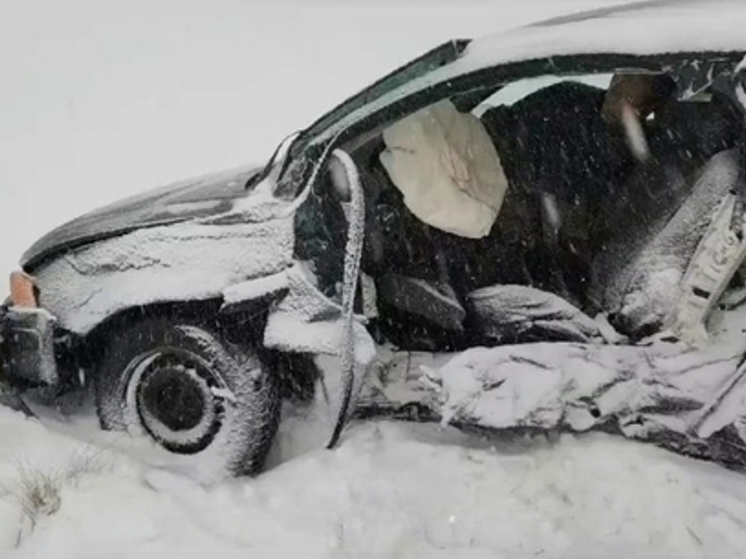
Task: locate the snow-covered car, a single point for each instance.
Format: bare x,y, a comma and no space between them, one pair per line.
579,180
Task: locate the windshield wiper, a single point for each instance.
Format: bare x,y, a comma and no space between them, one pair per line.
264,173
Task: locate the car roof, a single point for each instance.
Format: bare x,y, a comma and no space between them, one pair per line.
636,28
644,28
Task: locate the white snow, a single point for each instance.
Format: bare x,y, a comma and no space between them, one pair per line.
287,332
390,490
224,393
92,114
187,261
515,91
741,65
581,386
646,290
741,93
253,289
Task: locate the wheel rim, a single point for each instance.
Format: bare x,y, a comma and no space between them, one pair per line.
172,394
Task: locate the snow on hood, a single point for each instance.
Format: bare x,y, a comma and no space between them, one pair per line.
642,28
198,197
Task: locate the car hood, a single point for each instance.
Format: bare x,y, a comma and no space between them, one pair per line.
194,198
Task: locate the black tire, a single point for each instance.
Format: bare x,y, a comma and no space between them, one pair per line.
191,391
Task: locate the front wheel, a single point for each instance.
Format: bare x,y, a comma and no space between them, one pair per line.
191,392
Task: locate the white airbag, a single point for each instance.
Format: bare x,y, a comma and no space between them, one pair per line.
445,164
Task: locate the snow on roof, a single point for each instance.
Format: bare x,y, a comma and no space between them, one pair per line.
660,26
640,28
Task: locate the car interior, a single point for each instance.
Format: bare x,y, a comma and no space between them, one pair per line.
554,183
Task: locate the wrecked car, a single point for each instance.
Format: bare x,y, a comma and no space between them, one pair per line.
559,193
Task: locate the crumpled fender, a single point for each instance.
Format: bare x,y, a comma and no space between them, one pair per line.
235,297
192,261
306,321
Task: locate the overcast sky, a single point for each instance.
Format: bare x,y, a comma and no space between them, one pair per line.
101,99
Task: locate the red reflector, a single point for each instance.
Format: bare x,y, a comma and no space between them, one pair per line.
22,290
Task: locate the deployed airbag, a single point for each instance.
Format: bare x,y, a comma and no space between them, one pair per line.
445,164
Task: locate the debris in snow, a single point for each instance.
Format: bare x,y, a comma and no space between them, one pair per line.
662,393
607,331
224,394
254,289
307,321
304,299
287,331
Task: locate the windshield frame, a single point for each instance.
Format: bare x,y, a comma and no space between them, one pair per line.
422,65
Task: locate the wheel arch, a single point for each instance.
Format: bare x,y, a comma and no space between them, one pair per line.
184,386
297,371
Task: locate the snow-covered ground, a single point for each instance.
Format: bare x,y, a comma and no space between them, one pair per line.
390,490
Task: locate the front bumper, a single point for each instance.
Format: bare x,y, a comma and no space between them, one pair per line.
27,356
